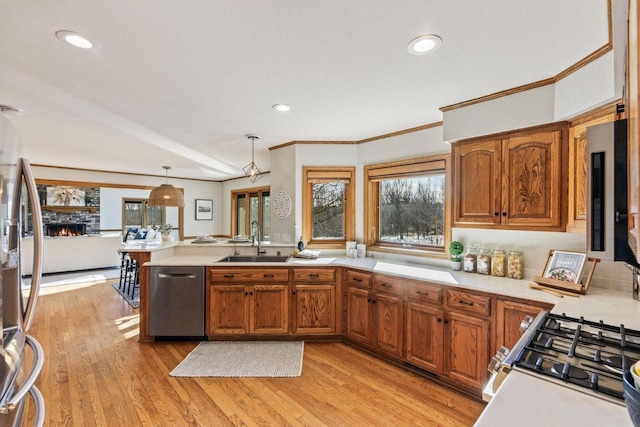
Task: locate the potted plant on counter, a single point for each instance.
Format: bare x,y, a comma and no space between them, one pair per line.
165,230
455,251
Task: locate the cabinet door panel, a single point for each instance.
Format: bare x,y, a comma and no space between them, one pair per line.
359,314
388,324
314,309
468,344
425,331
228,310
509,316
269,309
477,171
532,177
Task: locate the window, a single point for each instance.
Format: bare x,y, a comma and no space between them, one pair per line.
137,213
406,205
329,208
251,208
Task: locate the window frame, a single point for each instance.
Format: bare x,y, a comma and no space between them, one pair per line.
144,204
248,192
374,173
314,174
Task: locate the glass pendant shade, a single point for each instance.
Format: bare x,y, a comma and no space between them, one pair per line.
166,194
252,171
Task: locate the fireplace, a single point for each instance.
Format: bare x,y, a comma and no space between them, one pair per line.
67,230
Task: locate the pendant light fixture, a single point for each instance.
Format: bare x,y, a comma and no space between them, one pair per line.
252,171
166,194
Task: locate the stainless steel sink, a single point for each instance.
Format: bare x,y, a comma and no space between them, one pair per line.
254,258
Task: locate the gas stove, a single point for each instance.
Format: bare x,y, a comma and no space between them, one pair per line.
585,355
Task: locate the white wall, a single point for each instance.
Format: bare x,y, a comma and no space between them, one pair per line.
520,110
192,190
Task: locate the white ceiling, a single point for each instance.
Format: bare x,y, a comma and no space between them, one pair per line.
181,82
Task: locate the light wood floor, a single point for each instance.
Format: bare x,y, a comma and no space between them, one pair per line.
97,374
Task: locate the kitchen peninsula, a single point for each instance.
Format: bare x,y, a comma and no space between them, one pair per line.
471,304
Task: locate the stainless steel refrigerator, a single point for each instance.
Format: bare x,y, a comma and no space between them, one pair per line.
22,356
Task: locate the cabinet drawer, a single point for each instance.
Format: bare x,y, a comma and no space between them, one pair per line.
392,285
249,275
358,278
470,303
314,274
424,292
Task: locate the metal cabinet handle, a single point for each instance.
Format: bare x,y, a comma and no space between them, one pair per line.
439,320
357,279
386,285
422,293
228,276
268,275
469,303
314,275
446,321
176,276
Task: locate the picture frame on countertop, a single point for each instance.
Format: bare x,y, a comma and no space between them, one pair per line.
565,266
204,209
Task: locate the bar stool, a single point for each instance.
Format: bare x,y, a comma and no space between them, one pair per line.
129,275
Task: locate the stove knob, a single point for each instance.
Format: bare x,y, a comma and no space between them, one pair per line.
502,353
494,365
496,361
524,325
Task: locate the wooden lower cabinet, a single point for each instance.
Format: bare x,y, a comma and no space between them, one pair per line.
388,323
243,309
509,315
425,334
466,349
314,308
447,343
376,319
359,325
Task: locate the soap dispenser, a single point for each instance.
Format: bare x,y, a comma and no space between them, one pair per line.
300,245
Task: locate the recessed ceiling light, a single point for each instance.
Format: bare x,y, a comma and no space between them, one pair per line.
77,40
424,45
281,107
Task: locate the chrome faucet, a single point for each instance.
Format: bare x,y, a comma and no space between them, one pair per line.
256,235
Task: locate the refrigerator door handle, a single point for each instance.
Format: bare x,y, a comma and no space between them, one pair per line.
38,361
38,400
24,169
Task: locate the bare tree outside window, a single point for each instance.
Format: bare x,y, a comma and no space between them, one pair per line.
328,210
412,210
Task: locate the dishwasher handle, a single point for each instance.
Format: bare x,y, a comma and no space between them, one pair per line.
176,276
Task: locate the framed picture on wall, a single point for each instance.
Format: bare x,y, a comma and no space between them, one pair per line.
204,209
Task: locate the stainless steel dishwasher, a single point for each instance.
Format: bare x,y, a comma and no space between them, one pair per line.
176,304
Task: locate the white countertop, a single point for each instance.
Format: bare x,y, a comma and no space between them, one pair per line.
523,399
527,401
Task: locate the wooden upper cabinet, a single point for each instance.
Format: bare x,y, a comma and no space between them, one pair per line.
532,180
511,181
577,197
478,171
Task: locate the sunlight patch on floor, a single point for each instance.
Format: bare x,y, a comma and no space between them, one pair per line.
129,326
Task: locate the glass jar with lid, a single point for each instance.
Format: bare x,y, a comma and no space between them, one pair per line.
470,259
484,261
515,264
498,262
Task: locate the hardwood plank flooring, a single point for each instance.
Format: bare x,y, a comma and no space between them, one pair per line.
97,374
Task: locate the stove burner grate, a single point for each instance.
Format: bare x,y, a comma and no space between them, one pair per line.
567,371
